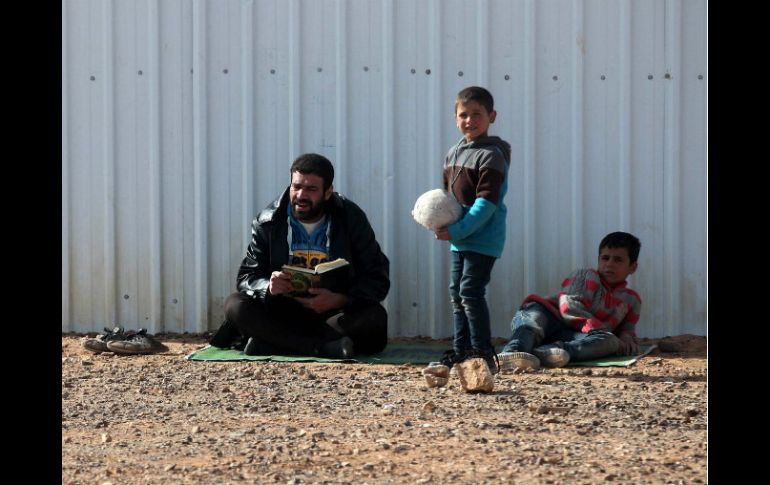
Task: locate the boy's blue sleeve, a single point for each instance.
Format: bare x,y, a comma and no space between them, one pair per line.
477,216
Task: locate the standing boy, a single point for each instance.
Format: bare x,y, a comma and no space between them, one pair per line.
476,173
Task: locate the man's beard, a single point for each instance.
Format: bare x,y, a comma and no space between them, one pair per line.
310,212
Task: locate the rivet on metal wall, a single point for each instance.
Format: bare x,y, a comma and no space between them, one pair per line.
174,301
414,304
139,72
125,297
272,71
319,69
555,78
413,71
224,71
366,68
427,71
649,76
93,78
460,73
191,71
700,76
507,77
603,77
667,76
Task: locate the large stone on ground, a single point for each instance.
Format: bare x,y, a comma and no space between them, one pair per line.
475,376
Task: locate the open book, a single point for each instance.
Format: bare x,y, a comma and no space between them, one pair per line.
325,275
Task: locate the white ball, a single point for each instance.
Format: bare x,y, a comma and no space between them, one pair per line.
435,209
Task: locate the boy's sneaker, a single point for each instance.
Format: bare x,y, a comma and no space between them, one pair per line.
552,355
523,361
99,344
136,343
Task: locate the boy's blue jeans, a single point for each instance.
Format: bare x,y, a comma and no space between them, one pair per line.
470,274
533,325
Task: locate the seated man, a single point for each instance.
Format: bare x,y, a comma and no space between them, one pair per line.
593,315
307,225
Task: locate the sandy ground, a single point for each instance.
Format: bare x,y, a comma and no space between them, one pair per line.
160,419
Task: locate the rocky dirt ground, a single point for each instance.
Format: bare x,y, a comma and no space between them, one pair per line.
160,419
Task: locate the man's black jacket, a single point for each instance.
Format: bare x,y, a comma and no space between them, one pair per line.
351,238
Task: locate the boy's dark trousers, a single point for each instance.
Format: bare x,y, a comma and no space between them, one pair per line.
283,326
470,275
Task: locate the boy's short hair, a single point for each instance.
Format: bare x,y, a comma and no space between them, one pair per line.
315,164
622,240
477,94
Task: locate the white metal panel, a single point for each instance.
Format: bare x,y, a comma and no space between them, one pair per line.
180,119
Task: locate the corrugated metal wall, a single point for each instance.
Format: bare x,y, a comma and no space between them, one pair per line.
180,120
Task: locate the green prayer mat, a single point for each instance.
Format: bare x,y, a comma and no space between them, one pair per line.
394,353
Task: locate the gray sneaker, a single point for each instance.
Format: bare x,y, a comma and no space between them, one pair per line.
99,344
136,343
552,355
523,361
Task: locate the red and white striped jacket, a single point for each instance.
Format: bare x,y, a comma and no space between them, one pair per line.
586,302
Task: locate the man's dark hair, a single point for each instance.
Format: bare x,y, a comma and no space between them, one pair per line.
477,94
315,164
622,240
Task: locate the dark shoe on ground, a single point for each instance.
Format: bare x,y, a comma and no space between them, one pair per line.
521,361
452,357
258,347
337,349
489,356
99,344
136,343
227,335
552,355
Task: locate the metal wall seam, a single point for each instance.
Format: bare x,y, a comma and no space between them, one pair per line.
247,132
577,226
482,43
706,178
341,101
66,280
529,140
109,123
388,137
436,251
155,202
295,78
624,114
672,156
200,162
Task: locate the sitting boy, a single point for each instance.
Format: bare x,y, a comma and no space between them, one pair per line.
593,316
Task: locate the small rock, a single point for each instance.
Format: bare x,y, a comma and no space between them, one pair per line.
195,429
106,438
429,407
170,467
